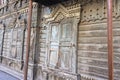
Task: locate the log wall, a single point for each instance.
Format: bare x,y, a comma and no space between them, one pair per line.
92,41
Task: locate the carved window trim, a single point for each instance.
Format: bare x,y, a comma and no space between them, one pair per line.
64,21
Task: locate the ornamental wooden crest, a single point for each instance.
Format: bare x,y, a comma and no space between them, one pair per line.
60,12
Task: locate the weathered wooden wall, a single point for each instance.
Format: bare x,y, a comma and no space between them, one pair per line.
13,17
87,45
92,41
56,16
13,27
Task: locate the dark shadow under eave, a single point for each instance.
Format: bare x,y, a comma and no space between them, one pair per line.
49,2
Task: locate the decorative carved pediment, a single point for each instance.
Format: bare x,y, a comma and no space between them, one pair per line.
61,12
59,17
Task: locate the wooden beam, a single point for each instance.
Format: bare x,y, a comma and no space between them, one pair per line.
110,39
28,40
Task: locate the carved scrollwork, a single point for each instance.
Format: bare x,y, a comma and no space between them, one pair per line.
99,12
60,11
12,6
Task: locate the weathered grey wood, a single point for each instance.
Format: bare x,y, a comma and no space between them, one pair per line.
92,48
79,48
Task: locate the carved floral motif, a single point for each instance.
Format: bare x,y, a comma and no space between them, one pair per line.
99,12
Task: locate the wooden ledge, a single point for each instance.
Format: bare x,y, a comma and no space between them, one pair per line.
62,74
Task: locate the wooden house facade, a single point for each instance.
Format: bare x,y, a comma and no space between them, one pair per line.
68,40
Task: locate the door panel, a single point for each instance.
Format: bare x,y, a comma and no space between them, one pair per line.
65,45
53,45
53,56
54,33
65,58
66,31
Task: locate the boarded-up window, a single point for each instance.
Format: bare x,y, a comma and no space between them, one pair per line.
60,51
13,43
17,43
